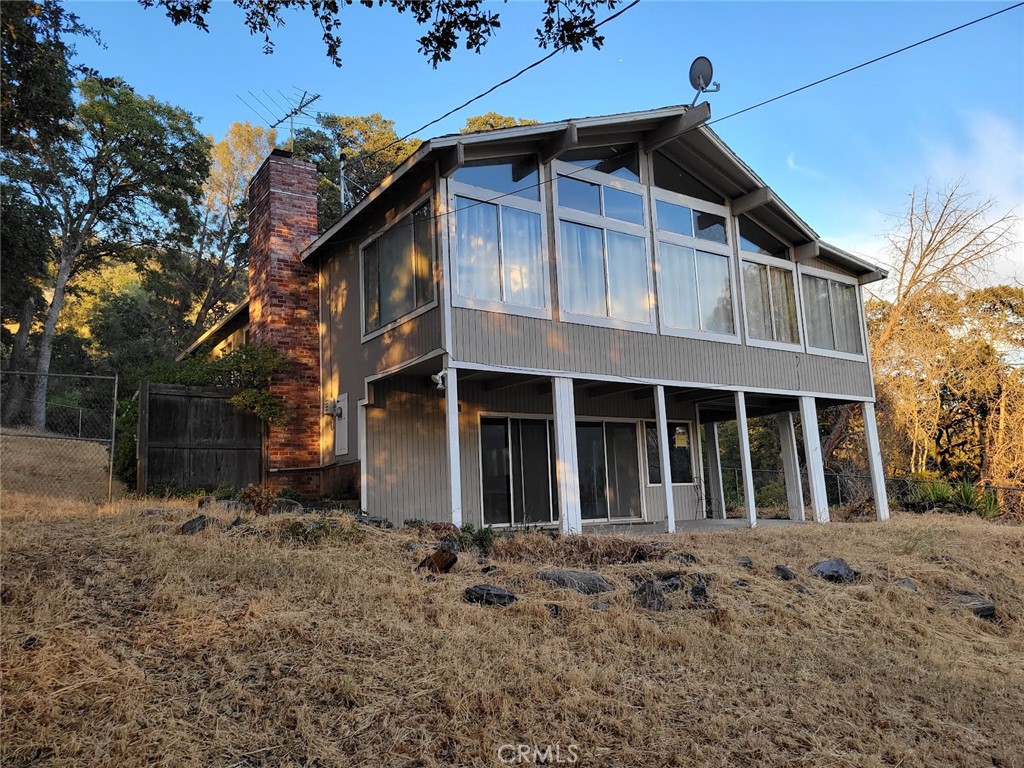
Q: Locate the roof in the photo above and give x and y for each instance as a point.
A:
(700, 150)
(231, 322)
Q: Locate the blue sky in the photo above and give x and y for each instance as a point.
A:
(843, 154)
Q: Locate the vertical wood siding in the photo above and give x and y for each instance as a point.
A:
(494, 338)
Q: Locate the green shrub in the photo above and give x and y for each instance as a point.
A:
(772, 494)
(965, 498)
(989, 508)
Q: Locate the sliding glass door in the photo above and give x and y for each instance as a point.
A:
(609, 466)
(517, 463)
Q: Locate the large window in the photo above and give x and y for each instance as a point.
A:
(398, 270)
(768, 285)
(499, 254)
(695, 285)
(609, 470)
(604, 270)
(517, 463)
(831, 315)
(679, 455)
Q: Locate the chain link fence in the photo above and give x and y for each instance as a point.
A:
(57, 434)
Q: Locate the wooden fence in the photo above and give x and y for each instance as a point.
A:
(192, 438)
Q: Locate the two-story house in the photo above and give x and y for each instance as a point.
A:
(544, 325)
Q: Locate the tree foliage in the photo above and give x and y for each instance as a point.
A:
(372, 150)
(450, 23)
(492, 121)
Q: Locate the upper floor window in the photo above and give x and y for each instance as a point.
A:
(832, 315)
(768, 285)
(499, 245)
(398, 269)
(670, 176)
(604, 270)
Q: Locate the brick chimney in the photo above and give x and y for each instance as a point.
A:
(284, 312)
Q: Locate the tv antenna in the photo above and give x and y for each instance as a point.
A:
(298, 109)
(701, 73)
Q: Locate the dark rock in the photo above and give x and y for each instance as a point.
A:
(744, 562)
(430, 577)
(29, 643)
(650, 597)
(587, 582)
(908, 584)
(450, 543)
(683, 557)
(374, 522)
(236, 522)
(803, 590)
(740, 584)
(699, 589)
(785, 573)
(152, 513)
(554, 609)
(791, 607)
(601, 605)
(206, 501)
(284, 506)
(980, 606)
(836, 570)
(438, 561)
(487, 594)
(200, 523)
(489, 569)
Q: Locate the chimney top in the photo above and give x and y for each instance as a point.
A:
(278, 152)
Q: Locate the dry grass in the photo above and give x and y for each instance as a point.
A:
(47, 466)
(126, 644)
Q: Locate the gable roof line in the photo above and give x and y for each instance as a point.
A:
(235, 312)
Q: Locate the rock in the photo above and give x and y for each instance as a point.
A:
(487, 594)
(649, 596)
(236, 522)
(439, 561)
(283, 506)
(803, 590)
(233, 505)
(601, 605)
(669, 582)
(744, 562)
(481, 560)
(410, 546)
(908, 584)
(450, 543)
(699, 589)
(29, 643)
(683, 557)
(206, 501)
(980, 605)
(836, 570)
(554, 609)
(785, 573)
(200, 523)
(739, 584)
(489, 569)
(152, 513)
(586, 582)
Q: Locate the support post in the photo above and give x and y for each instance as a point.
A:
(715, 483)
(364, 469)
(875, 461)
(566, 457)
(790, 465)
(661, 422)
(743, 434)
(451, 419)
(815, 464)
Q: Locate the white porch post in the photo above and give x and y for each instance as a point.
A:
(790, 465)
(875, 461)
(364, 469)
(745, 466)
(815, 464)
(566, 458)
(666, 464)
(715, 484)
(451, 420)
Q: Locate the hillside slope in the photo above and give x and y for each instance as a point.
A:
(126, 643)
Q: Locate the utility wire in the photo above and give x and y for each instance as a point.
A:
(621, 155)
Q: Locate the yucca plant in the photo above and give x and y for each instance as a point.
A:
(988, 508)
(966, 498)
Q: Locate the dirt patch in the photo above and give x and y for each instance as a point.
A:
(53, 467)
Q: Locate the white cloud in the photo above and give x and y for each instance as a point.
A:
(792, 164)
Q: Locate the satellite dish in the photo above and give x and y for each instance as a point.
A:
(701, 73)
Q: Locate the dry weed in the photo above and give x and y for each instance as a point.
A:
(127, 644)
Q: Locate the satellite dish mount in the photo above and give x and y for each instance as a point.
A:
(701, 73)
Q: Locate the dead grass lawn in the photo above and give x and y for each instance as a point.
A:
(125, 644)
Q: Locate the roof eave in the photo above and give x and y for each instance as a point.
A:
(234, 313)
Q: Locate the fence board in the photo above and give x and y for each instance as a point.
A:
(192, 438)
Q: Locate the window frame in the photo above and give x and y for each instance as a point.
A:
(861, 322)
(604, 223)
(778, 263)
(638, 425)
(697, 244)
(693, 463)
(427, 197)
(493, 197)
(552, 448)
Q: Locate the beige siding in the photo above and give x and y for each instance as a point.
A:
(230, 343)
(527, 399)
(407, 460)
(500, 339)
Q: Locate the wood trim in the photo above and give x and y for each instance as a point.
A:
(813, 457)
(674, 127)
(565, 140)
(752, 200)
(790, 465)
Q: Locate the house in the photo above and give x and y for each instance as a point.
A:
(544, 325)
